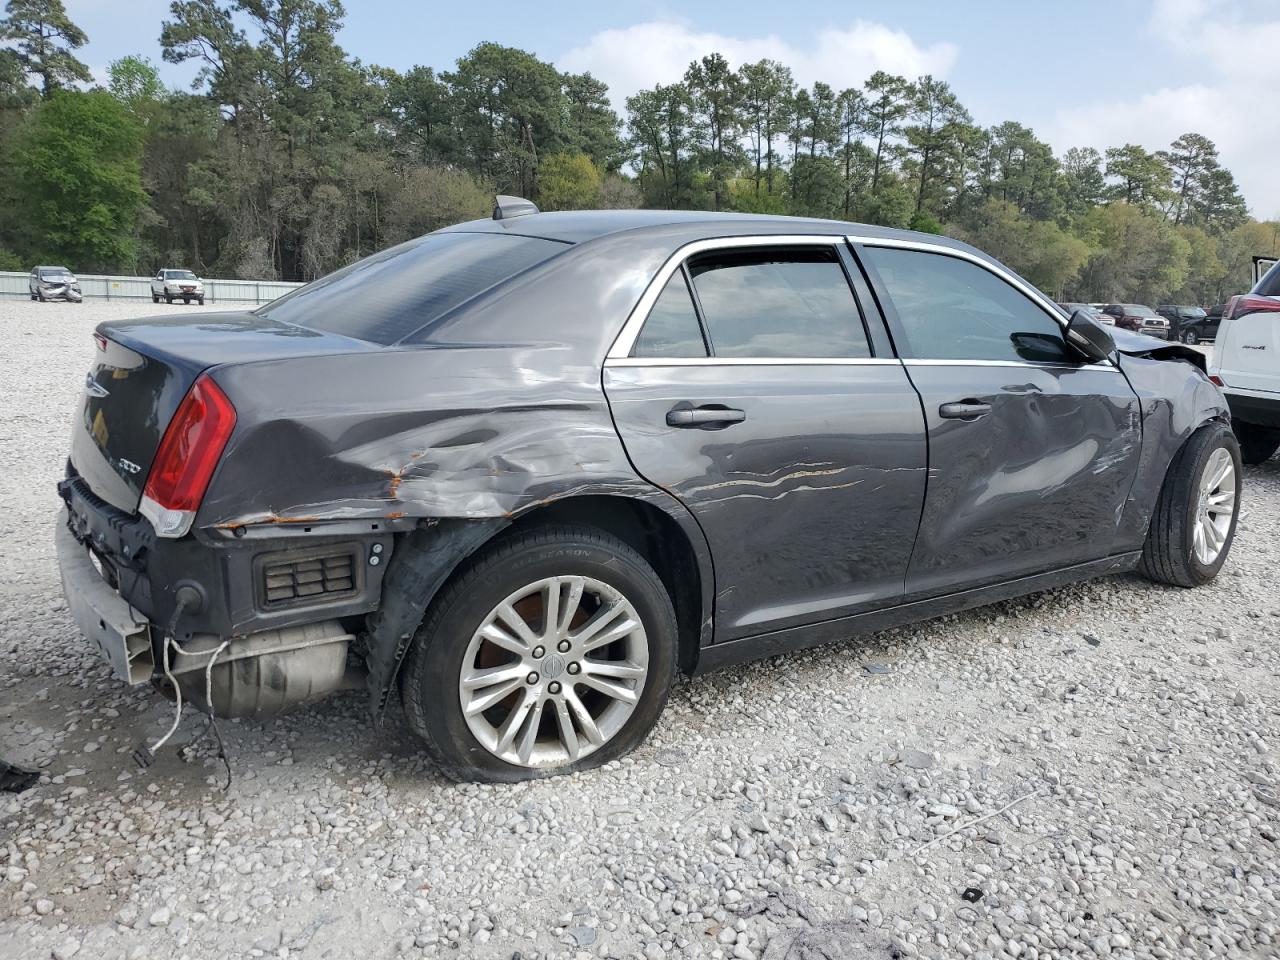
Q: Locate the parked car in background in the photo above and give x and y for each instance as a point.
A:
(1093, 309)
(54, 283)
(1138, 318)
(1178, 316)
(1246, 365)
(174, 285)
(1205, 329)
(527, 468)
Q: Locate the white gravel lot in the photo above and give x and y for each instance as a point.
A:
(781, 809)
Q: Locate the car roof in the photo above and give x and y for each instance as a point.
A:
(50, 266)
(581, 226)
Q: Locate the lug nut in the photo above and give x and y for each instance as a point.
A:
(563, 646)
(533, 677)
(574, 668)
(553, 687)
(539, 652)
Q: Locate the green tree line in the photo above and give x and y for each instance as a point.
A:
(289, 158)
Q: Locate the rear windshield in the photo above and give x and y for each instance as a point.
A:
(1269, 285)
(389, 295)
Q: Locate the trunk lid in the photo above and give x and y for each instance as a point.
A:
(141, 371)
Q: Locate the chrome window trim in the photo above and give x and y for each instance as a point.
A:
(626, 338)
(1045, 364)
(752, 361)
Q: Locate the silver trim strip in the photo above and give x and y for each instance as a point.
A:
(1050, 365)
(626, 338)
(751, 362)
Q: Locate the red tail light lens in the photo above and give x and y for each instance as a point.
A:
(1217, 380)
(187, 457)
(1239, 306)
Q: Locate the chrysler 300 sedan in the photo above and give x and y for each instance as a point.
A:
(521, 471)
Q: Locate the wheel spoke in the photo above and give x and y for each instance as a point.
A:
(1198, 541)
(568, 734)
(583, 716)
(609, 688)
(483, 701)
(1224, 500)
(511, 726)
(599, 621)
(507, 615)
(623, 670)
(550, 610)
(524, 750)
(500, 638)
(571, 604)
(478, 679)
(1222, 467)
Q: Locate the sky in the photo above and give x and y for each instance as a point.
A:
(1084, 73)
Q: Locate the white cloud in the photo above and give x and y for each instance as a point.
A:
(638, 57)
(1232, 103)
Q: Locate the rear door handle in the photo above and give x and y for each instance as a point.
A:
(964, 410)
(704, 416)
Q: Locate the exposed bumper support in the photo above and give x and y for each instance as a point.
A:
(121, 633)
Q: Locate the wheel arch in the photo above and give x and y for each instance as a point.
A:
(656, 525)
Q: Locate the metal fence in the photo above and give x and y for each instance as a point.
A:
(139, 288)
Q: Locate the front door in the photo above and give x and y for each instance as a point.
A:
(1031, 453)
(753, 395)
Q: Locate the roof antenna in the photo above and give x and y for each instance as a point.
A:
(504, 207)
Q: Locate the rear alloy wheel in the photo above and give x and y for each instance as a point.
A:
(553, 652)
(1194, 522)
(1190, 338)
(1257, 444)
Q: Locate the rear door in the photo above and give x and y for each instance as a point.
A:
(749, 385)
(1031, 454)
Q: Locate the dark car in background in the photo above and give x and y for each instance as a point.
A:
(1203, 328)
(527, 468)
(1179, 315)
(54, 283)
(1138, 318)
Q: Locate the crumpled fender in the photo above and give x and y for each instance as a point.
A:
(1177, 398)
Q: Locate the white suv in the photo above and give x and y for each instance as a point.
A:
(1246, 365)
(177, 285)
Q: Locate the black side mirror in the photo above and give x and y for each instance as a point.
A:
(1088, 338)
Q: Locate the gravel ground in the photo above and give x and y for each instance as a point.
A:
(1096, 766)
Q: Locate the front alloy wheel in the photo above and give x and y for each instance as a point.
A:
(552, 651)
(1194, 522)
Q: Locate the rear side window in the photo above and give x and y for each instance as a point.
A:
(671, 329)
(778, 303)
(389, 295)
(951, 309)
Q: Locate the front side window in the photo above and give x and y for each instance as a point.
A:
(781, 303)
(672, 329)
(951, 309)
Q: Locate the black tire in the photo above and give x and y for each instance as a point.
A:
(1168, 556)
(1257, 444)
(34, 297)
(168, 299)
(187, 301)
(200, 301)
(1190, 338)
(429, 684)
(155, 298)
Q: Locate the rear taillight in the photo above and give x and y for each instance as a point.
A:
(100, 340)
(187, 457)
(1249, 303)
(1217, 380)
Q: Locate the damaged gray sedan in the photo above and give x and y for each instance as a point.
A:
(523, 470)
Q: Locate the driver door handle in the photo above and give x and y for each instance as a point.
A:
(964, 410)
(703, 416)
